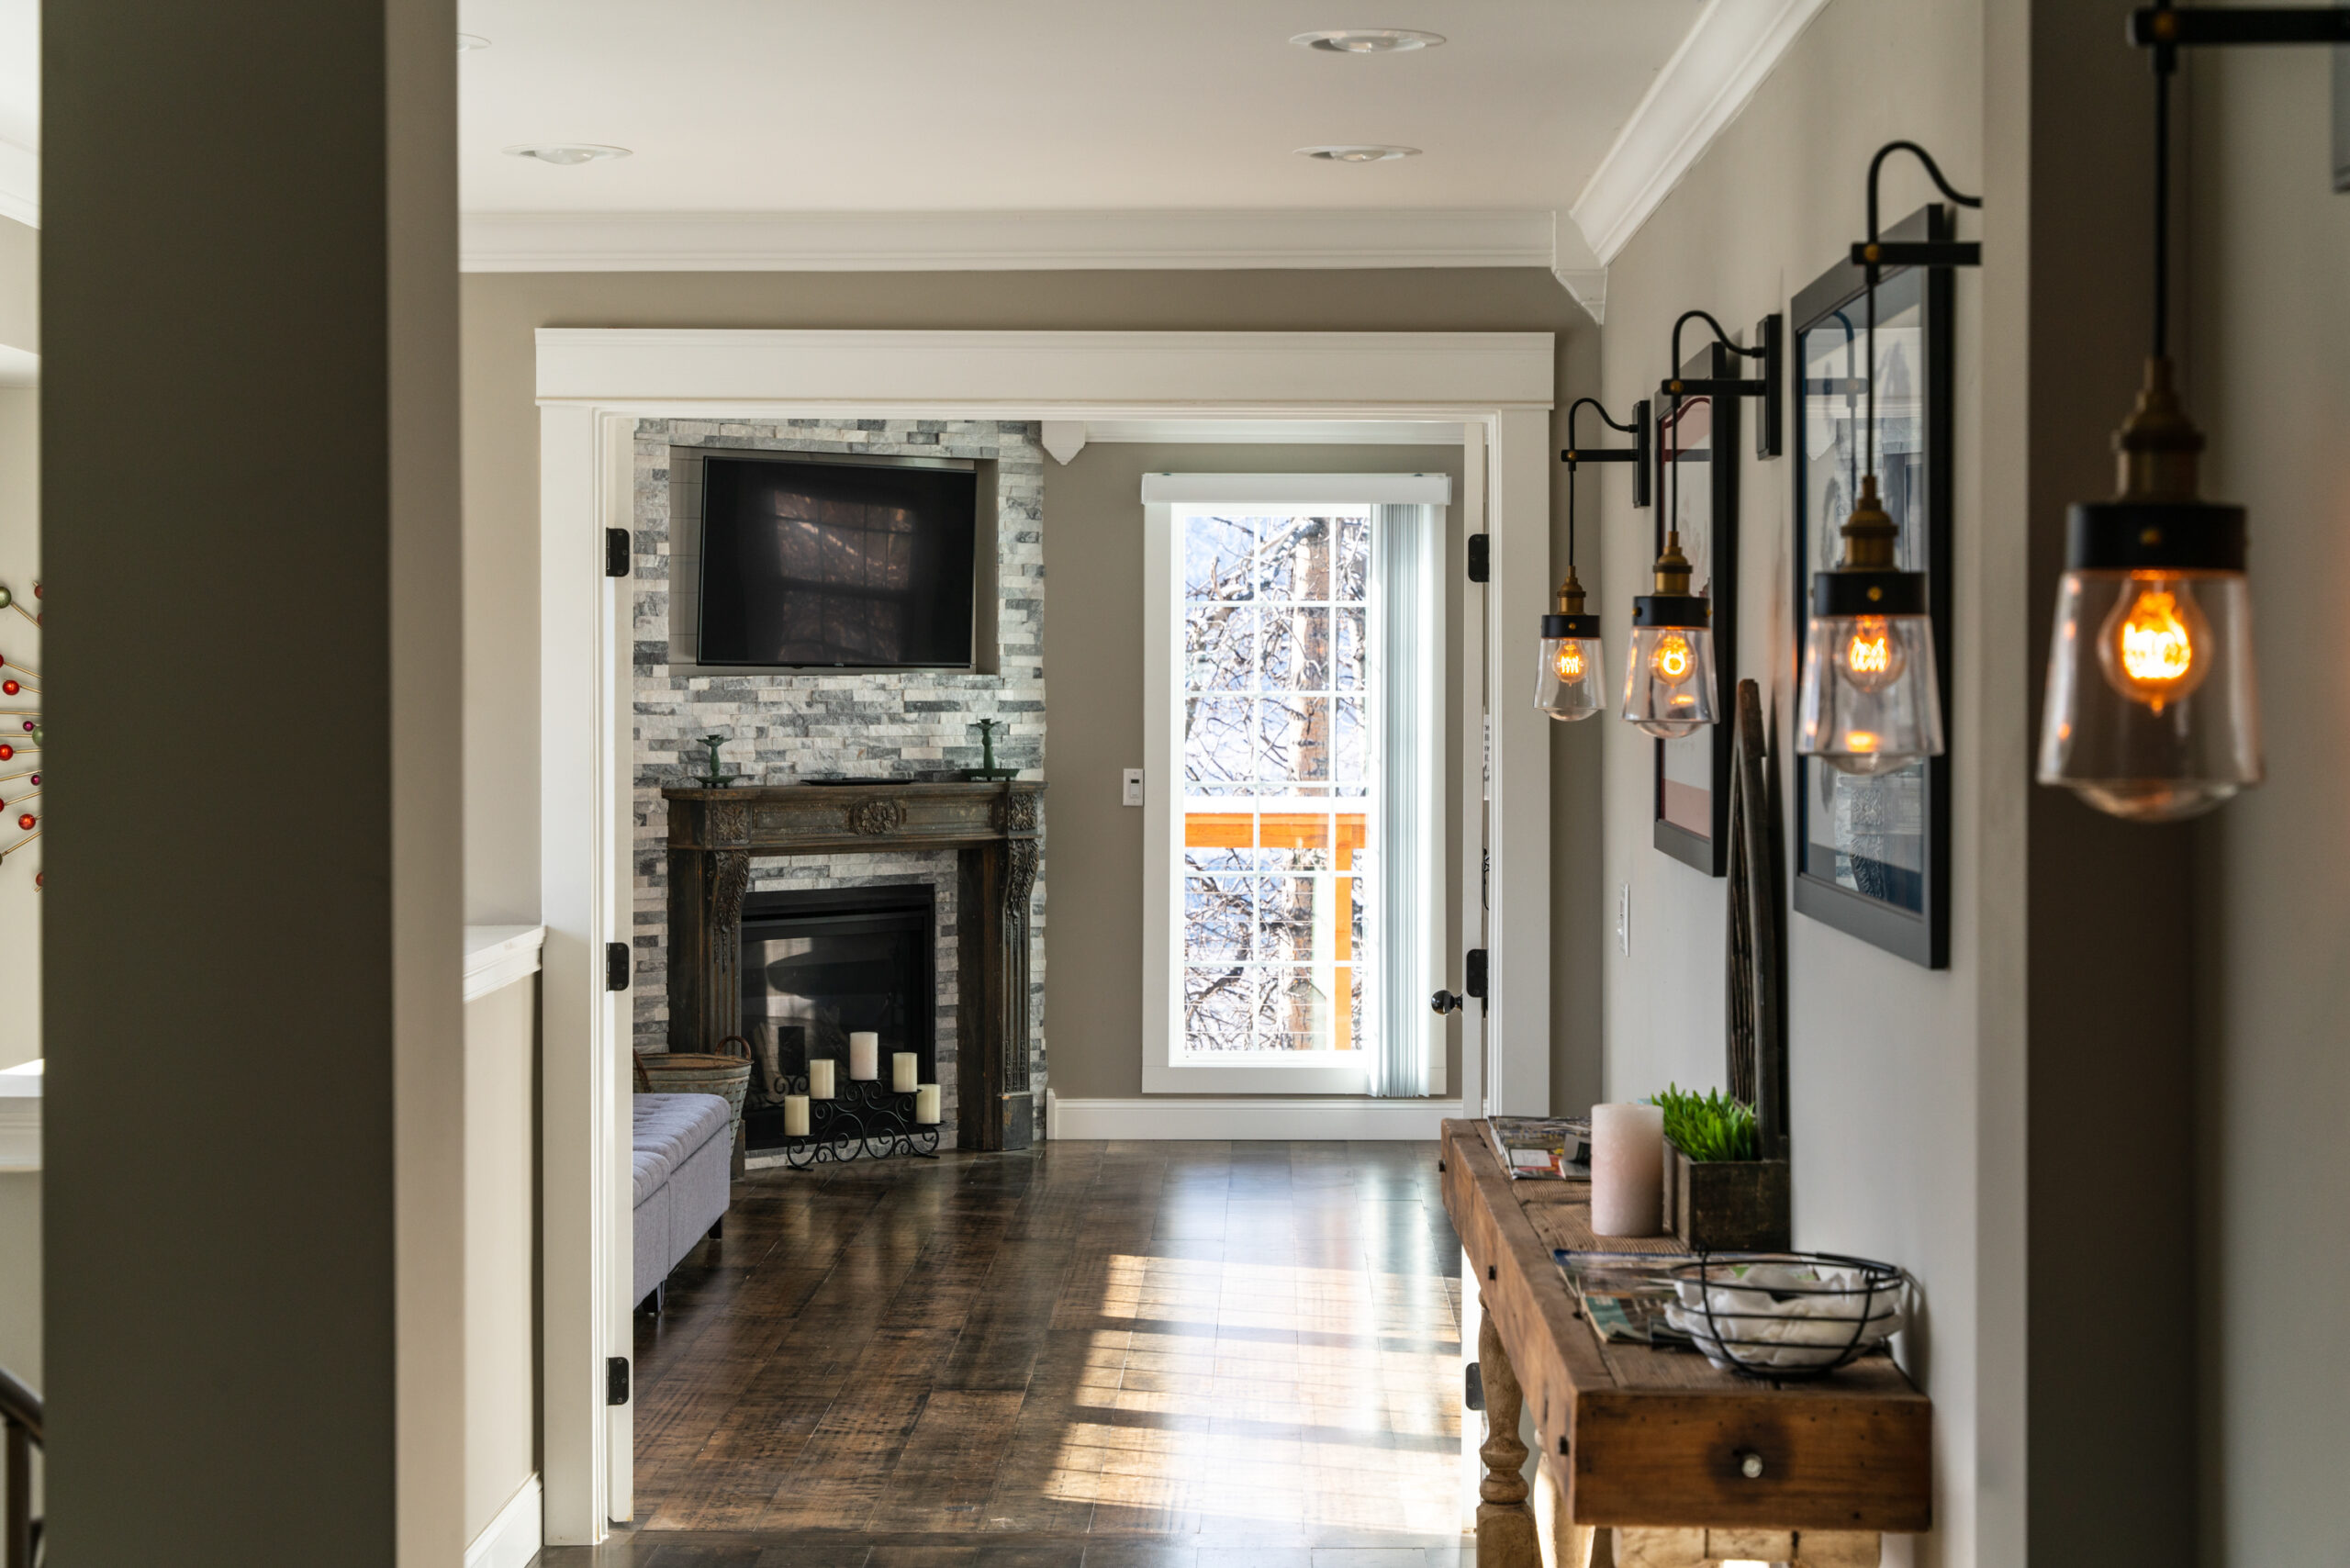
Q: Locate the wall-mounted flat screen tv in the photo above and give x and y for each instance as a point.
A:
(846, 565)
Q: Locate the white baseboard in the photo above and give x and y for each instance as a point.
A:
(510, 1540)
(1167, 1117)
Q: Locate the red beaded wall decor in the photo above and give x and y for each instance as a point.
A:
(22, 680)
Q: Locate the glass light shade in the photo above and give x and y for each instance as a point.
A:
(1669, 681)
(1570, 683)
(1870, 700)
(2152, 712)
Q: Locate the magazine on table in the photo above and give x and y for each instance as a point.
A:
(1624, 1294)
(1552, 1149)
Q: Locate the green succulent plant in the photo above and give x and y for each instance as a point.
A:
(1708, 1128)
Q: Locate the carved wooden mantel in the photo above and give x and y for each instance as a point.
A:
(997, 829)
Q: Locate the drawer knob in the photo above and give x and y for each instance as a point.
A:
(1750, 1464)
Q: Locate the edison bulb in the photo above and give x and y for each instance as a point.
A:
(1871, 658)
(1567, 684)
(2153, 645)
(1674, 661)
(1569, 664)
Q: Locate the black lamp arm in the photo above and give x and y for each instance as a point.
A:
(1637, 453)
(1769, 385)
(1876, 253)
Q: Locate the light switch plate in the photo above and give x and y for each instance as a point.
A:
(1133, 786)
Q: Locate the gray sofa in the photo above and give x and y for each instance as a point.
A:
(685, 1152)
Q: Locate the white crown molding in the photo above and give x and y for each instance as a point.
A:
(998, 242)
(1730, 49)
(1160, 1116)
(19, 184)
(1045, 376)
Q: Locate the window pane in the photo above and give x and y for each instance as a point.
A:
(1348, 657)
(1220, 648)
(1217, 919)
(1354, 560)
(1217, 1005)
(1285, 917)
(1216, 553)
(1304, 637)
(1352, 744)
(1217, 739)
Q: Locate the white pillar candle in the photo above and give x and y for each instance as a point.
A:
(1627, 1170)
(926, 1104)
(795, 1115)
(904, 1068)
(820, 1078)
(865, 1054)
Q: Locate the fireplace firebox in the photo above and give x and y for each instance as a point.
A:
(820, 964)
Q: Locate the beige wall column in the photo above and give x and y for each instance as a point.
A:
(254, 1226)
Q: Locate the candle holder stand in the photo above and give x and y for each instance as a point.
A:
(865, 1120)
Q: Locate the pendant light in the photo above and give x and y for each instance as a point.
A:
(1570, 678)
(1871, 696)
(1669, 679)
(2151, 712)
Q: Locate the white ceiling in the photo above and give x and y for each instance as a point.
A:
(749, 106)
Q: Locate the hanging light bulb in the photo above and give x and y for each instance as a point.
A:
(1669, 680)
(2160, 720)
(1569, 684)
(1871, 701)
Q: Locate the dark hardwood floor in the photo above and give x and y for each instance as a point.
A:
(1134, 1355)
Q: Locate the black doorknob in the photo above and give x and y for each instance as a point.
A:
(1444, 1002)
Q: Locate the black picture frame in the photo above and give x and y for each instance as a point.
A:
(1898, 897)
(1712, 550)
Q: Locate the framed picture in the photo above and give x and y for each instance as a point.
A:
(1873, 855)
(1701, 493)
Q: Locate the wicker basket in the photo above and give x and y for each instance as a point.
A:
(726, 1075)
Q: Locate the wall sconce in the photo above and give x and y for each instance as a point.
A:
(1569, 681)
(1871, 696)
(1669, 679)
(2152, 714)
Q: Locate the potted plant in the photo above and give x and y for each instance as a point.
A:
(1720, 1193)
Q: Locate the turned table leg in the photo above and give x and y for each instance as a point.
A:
(1505, 1533)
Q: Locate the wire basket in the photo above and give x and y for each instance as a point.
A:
(1788, 1316)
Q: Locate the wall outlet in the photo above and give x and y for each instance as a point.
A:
(1131, 782)
(1624, 918)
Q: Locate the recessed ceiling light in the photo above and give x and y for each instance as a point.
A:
(1369, 40)
(468, 42)
(566, 152)
(1358, 154)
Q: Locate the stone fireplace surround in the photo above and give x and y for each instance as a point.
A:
(784, 727)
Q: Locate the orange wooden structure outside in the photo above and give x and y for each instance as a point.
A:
(1297, 830)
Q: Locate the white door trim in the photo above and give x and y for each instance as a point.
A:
(594, 383)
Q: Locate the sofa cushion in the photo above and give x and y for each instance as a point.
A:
(669, 1130)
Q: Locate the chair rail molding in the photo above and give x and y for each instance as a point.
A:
(1003, 241)
(1731, 47)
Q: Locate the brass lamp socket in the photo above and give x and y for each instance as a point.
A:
(2158, 523)
(1570, 621)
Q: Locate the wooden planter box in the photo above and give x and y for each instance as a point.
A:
(1727, 1206)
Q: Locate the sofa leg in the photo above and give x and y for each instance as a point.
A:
(718, 1227)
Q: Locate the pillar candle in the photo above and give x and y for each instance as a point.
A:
(926, 1104)
(865, 1054)
(820, 1078)
(795, 1115)
(904, 1067)
(1627, 1170)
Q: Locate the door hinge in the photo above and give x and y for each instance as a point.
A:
(616, 964)
(1481, 558)
(1473, 983)
(616, 1380)
(617, 549)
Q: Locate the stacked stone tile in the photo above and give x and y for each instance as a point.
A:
(872, 724)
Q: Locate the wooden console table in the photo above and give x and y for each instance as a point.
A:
(997, 829)
(1692, 1465)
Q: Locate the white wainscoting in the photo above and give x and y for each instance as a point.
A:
(1148, 1117)
(511, 1538)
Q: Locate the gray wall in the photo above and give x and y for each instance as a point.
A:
(501, 593)
(253, 1219)
(2270, 342)
(1094, 645)
(1891, 1065)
